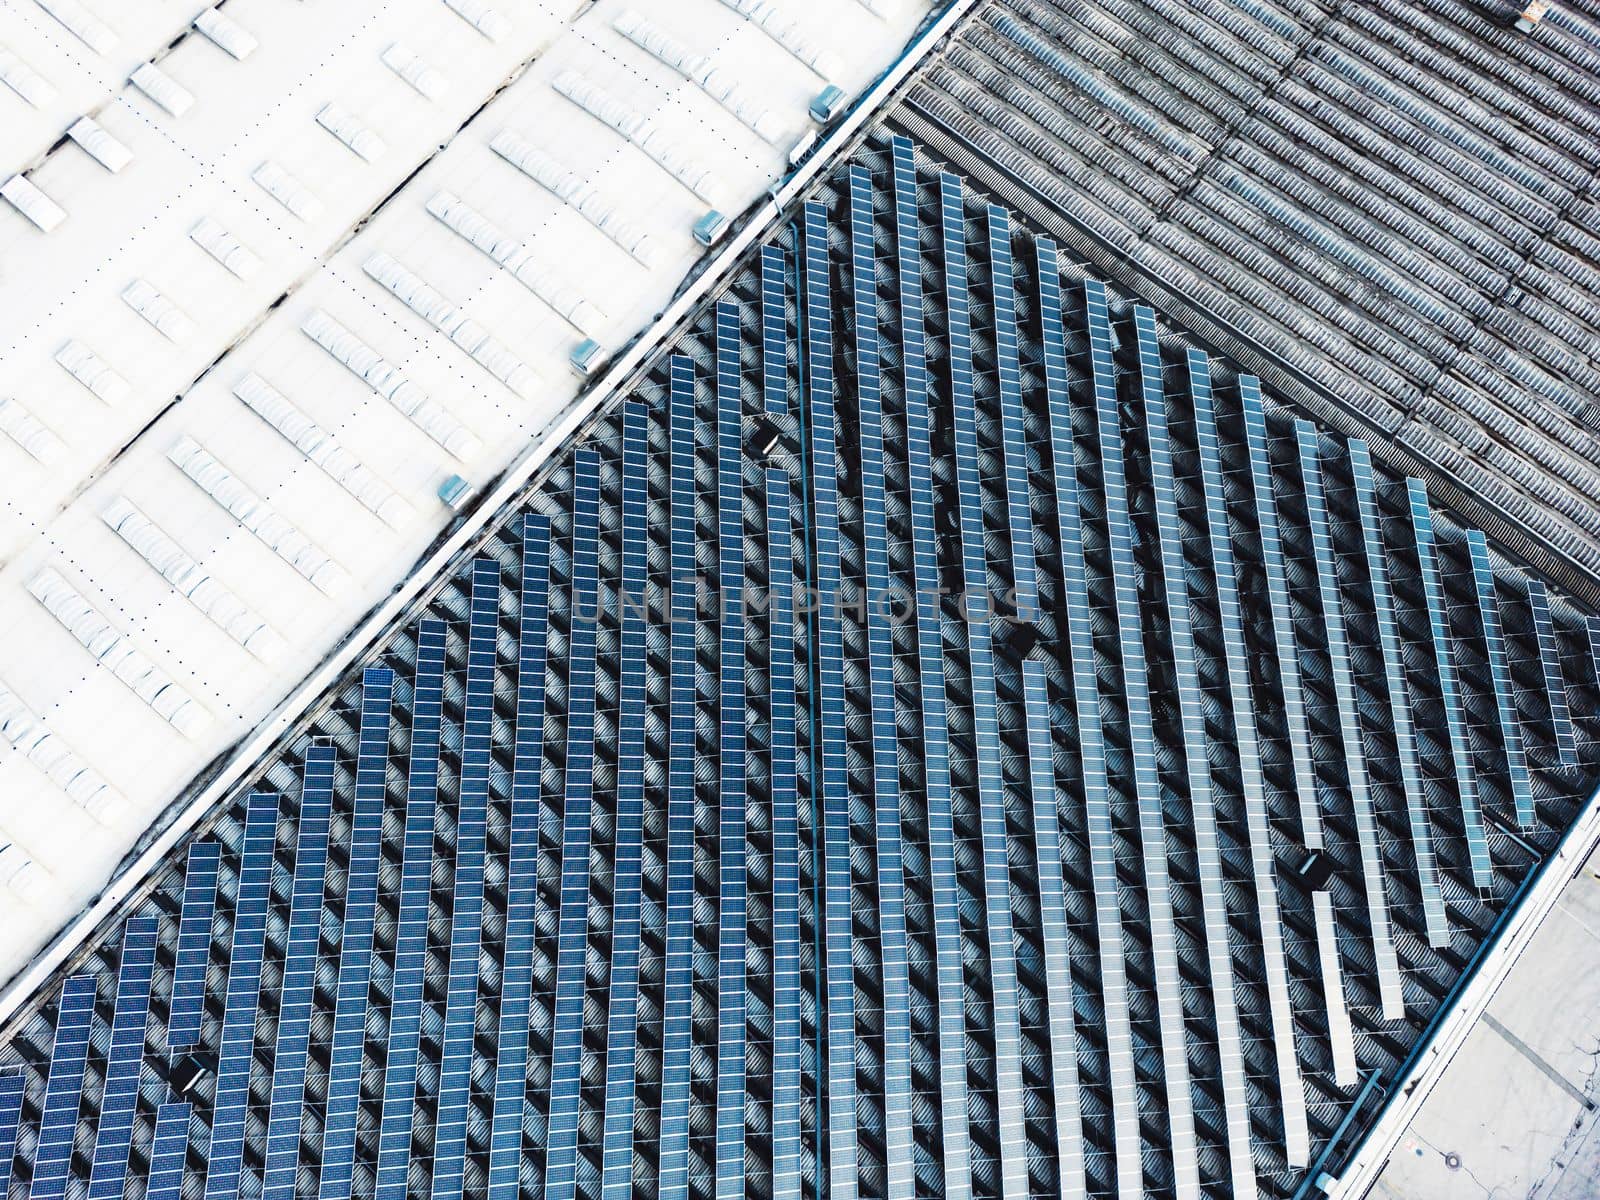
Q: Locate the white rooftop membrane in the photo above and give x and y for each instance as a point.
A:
(287, 255)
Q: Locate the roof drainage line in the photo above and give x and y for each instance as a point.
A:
(514, 486)
(1224, 339)
(1423, 1069)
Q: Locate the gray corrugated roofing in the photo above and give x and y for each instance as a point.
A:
(1388, 210)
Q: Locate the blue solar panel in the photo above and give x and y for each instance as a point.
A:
(12, 1088)
(522, 872)
(1405, 738)
(298, 986)
(1554, 682)
(774, 332)
(1049, 814)
(1019, 508)
(168, 1150)
(1091, 741)
(986, 728)
(1449, 692)
(1256, 434)
(786, 1026)
(835, 790)
(732, 922)
(1292, 1102)
(1202, 800)
(1594, 647)
(885, 743)
(622, 1022)
(411, 929)
(120, 1095)
(677, 1009)
(1147, 782)
(1092, 748)
(236, 1051)
(1500, 673)
(355, 940)
(955, 1134)
(58, 1119)
(573, 935)
(1325, 560)
(193, 954)
(466, 913)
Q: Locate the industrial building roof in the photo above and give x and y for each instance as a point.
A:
(939, 725)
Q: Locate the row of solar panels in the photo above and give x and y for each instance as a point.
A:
(1007, 908)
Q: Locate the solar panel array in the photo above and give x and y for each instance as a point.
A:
(937, 734)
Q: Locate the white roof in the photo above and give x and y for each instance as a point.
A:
(238, 368)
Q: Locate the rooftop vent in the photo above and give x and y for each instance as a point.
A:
(829, 104)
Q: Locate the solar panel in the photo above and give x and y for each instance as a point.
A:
(884, 741)
(355, 938)
(168, 1150)
(1494, 643)
(1048, 818)
(986, 728)
(1405, 738)
(193, 953)
(58, 1117)
(12, 1088)
(1594, 646)
(236, 1050)
(1326, 563)
(1294, 705)
(120, 1094)
(1445, 672)
(955, 1137)
(1019, 510)
(1202, 801)
(1297, 1135)
(411, 927)
(732, 919)
(572, 938)
(522, 870)
(678, 993)
(1341, 1039)
(622, 1017)
(1147, 782)
(774, 332)
(297, 988)
(466, 912)
(841, 988)
(787, 1096)
(1091, 736)
(1555, 684)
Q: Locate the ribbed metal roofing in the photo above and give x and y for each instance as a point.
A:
(1386, 210)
